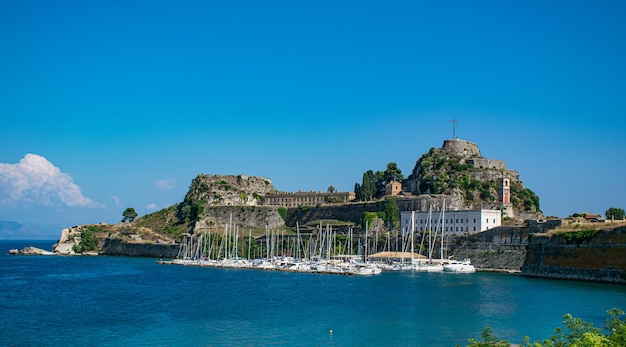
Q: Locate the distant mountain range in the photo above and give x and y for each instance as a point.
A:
(14, 231)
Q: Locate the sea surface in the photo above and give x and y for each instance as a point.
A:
(121, 301)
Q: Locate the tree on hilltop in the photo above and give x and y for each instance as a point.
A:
(393, 173)
(373, 184)
(357, 192)
(129, 215)
(368, 187)
(614, 213)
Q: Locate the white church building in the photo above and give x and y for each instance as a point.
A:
(454, 222)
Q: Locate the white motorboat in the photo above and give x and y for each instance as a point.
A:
(464, 266)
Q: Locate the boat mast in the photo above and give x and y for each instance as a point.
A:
(412, 229)
(443, 212)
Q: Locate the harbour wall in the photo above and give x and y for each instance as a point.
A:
(598, 258)
(501, 248)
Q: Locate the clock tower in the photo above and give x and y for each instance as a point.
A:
(504, 190)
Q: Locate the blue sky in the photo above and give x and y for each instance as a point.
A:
(123, 103)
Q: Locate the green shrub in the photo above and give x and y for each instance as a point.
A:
(88, 241)
(282, 212)
(580, 236)
(577, 333)
(367, 219)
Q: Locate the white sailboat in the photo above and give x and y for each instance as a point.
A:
(431, 266)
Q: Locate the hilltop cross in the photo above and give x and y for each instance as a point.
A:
(454, 121)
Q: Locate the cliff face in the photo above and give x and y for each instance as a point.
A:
(584, 255)
(214, 218)
(220, 190)
(112, 234)
(213, 200)
(150, 250)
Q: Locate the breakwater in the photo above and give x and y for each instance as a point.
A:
(587, 255)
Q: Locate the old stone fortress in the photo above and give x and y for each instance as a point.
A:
(424, 211)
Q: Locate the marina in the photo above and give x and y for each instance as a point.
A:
(322, 253)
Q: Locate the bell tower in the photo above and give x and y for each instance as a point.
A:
(504, 190)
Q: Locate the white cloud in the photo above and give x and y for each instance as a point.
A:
(164, 184)
(35, 180)
(117, 201)
(151, 206)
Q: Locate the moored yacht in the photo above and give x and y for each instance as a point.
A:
(459, 266)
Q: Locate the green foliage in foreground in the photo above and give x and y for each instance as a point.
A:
(577, 333)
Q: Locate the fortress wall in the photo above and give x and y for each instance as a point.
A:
(462, 148)
(599, 259)
(502, 248)
(345, 212)
(487, 163)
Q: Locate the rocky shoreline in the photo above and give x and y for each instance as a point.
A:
(597, 255)
(30, 250)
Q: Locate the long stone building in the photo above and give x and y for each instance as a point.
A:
(295, 199)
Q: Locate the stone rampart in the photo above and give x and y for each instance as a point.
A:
(502, 248)
(461, 148)
(484, 163)
(346, 212)
(229, 190)
(600, 258)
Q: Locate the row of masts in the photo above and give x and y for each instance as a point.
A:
(233, 249)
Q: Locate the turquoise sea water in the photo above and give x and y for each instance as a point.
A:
(119, 301)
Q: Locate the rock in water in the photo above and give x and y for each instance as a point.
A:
(34, 251)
